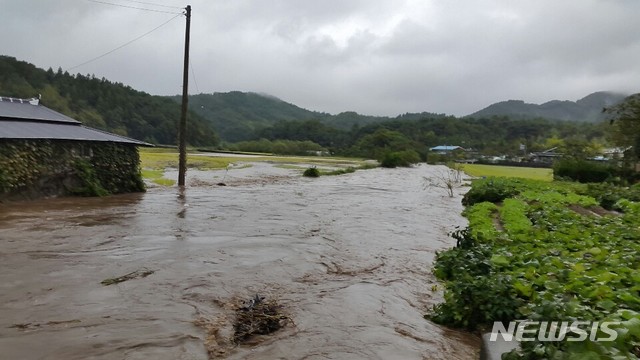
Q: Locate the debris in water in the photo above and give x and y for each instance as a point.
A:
(32, 326)
(252, 302)
(221, 184)
(258, 317)
(216, 342)
(142, 273)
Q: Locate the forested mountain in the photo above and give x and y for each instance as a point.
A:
(588, 109)
(102, 104)
(238, 116)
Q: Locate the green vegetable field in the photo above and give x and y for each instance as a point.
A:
(508, 171)
(547, 251)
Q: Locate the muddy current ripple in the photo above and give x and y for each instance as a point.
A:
(348, 256)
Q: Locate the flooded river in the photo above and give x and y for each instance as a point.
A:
(349, 257)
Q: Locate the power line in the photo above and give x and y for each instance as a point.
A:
(154, 4)
(195, 82)
(125, 44)
(133, 7)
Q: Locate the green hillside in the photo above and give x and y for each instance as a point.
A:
(102, 104)
(239, 116)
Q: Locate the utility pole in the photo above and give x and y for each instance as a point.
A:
(182, 127)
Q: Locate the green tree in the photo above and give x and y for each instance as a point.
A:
(381, 142)
(625, 125)
(102, 104)
(578, 147)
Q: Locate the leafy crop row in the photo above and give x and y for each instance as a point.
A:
(540, 251)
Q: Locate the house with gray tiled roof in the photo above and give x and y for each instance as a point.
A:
(46, 153)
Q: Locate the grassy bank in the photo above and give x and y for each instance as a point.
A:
(479, 170)
(156, 176)
(546, 251)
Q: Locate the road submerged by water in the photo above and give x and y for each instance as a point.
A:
(349, 257)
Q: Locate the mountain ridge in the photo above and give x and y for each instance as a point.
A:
(237, 115)
(587, 109)
(232, 116)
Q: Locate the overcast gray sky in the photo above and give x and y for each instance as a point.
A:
(376, 57)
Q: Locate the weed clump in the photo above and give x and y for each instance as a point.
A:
(311, 172)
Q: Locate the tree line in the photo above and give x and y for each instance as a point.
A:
(103, 104)
(275, 126)
(498, 135)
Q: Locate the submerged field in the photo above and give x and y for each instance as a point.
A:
(168, 158)
(159, 166)
(555, 251)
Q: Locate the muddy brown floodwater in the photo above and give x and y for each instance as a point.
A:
(349, 257)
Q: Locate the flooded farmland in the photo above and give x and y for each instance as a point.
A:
(348, 257)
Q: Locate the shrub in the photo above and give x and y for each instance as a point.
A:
(472, 302)
(474, 297)
(311, 172)
(492, 190)
(404, 158)
(608, 194)
(454, 263)
(582, 171)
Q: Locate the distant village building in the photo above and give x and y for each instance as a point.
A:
(445, 153)
(45, 153)
(615, 153)
(548, 156)
(446, 149)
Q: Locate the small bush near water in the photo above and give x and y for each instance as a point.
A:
(311, 172)
(492, 190)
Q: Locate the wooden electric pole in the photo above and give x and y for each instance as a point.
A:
(182, 127)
